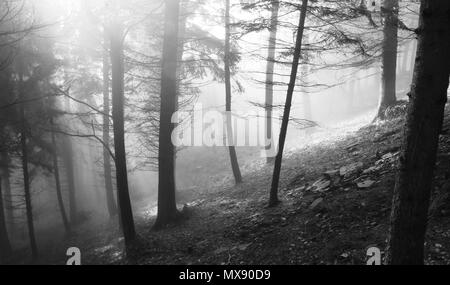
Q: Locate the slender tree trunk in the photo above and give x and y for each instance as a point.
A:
(26, 182)
(68, 163)
(389, 57)
(180, 53)
(112, 209)
(287, 107)
(7, 202)
(180, 50)
(231, 148)
(69, 167)
(418, 156)
(269, 73)
(26, 178)
(167, 209)
(58, 184)
(123, 195)
(5, 246)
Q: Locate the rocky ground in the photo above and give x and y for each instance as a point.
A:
(336, 200)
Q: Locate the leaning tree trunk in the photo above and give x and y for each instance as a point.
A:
(418, 156)
(123, 195)
(229, 121)
(269, 74)
(167, 209)
(58, 183)
(389, 57)
(111, 204)
(5, 246)
(287, 107)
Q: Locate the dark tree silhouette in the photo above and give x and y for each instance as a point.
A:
(5, 246)
(58, 181)
(111, 204)
(418, 155)
(26, 175)
(69, 167)
(269, 72)
(167, 209)
(231, 148)
(390, 10)
(7, 202)
(287, 107)
(123, 196)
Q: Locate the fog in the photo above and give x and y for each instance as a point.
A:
(337, 96)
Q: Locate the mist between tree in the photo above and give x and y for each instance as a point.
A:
(117, 115)
(208, 128)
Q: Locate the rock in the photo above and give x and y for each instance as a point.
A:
(366, 184)
(333, 176)
(299, 189)
(371, 169)
(387, 158)
(315, 203)
(331, 173)
(321, 185)
(350, 169)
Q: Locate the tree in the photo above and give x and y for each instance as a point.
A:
(58, 181)
(229, 122)
(7, 201)
(167, 209)
(5, 246)
(287, 107)
(111, 204)
(123, 195)
(69, 167)
(26, 175)
(428, 97)
(269, 72)
(390, 11)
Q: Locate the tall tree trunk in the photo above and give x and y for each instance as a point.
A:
(123, 195)
(58, 183)
(287, 107)
(111, 204)
(7, 202)
(26, 182)
(269, 73)
(167, 209)
(5, 246)
(180, 50)
(180, 53)
(233, 157)
(389, 57)
(68, 163)
(69, 167)
(418, 156)
(26, 177)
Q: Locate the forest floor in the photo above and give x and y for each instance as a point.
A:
(336, 200)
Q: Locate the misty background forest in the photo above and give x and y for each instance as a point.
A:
(225, 131)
